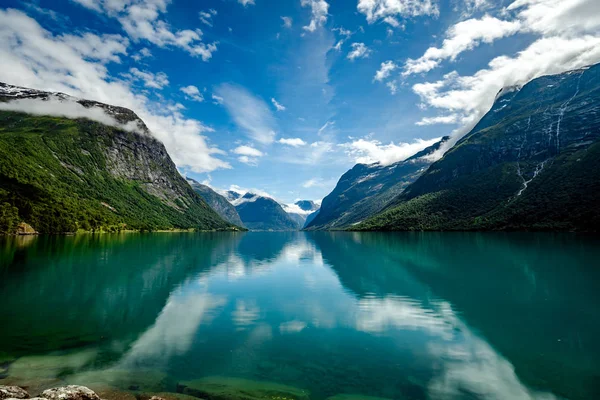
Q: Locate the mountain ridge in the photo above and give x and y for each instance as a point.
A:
(61, 174)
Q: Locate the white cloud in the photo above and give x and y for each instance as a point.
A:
(249, 112)
(369, 151)
(277, 105)
(461, 37)
(151, 80)
(143, 53)
(68, 108)
(287, 22)
(474, 95)
(380, 9)
(141, 20)
(393, 86)
(105, 48)
(33, 57)
(317, 182)
(551, 17)
(206, 16)
(217, 99)
(319, 10)
(193, 93)
(359, 50)
(248, 151)
(385, 71)
(248, 155)
(294, 142)
(246, 3)
(442, 119)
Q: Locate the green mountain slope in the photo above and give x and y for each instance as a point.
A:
(62, 175)
(532, 163)
(217, 202)
(367, 189)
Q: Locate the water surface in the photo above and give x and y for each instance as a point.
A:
(397, 316)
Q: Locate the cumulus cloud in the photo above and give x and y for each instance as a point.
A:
(34, 57)
(278, 106)
(151, 80)
(140, 55)
(105, 48)
(385, 71)
(319, 10)
(141, 19)
(248, 155)
(461, 37)
(193, 93)
(359, 50)
(206, 16)
(287, 22)
(294, 142)
(246, 3)
(249, 112)
(248, 151)
(381, 9)
(369, 151)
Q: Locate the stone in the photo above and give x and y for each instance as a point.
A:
(25, 229)
(13, 392)
(71, 392)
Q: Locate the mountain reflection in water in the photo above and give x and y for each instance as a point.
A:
(403, 316)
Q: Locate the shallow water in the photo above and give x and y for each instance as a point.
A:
(398, 316)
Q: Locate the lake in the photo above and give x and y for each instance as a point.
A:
(304, 315)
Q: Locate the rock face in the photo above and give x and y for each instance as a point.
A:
(71, 392)
(263, 214)
(13, 392)
(66, 174)
(367, 189)
(217, 202)
(531, 163)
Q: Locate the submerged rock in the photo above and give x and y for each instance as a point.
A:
(13, 392)
(225, 388)
(71, 392)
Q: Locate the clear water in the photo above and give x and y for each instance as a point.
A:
(398, 316)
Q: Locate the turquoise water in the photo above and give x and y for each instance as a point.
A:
(398, 316)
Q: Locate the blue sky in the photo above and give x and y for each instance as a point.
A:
(284, 96)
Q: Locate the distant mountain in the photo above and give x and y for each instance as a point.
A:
(61, 175)
(300, 210)
(263, 213)
(367, 189)
(217, 202)
(531, 163)
(232, 196)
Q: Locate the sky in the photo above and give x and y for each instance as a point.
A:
(281, 97)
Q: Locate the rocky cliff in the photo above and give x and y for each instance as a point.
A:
(105, 172)
(531, 163)
(367, 189)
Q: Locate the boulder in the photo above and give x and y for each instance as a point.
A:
(71, 392)
(25, 229)
(13, 392)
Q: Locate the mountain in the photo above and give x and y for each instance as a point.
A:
(367, 189)
(263, 214)
(300, 210)
(531, 163)
(61, 174)
(217, 202)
